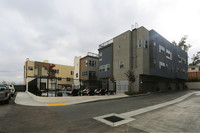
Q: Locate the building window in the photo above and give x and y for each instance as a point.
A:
(145, 44)
(84, 73)
(184, 60)
(76, 75)
(168, 54)
(108, 67)
(161, 49)
(161, 65)
(100, 56)
(72, 72)
(119, 46)
(154, 44)
(193, 68)
(68, 79)
(103, 68)
(139, 43)
(179, 59)
(172, 69)
(120, 64)
(166, 66)
(183, 70)
(100, 68)
(59, 78)
(30, 68)
(153, 63)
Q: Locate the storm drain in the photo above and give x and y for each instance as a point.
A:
(114, 119)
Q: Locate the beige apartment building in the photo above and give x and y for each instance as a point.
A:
(35, 69)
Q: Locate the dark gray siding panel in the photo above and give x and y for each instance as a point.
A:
(107, 58)
(155, 54)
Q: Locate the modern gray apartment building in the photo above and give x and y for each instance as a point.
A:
(158, 65)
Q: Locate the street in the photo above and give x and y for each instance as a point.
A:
(179, 117)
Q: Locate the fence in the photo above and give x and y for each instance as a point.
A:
(20, 88)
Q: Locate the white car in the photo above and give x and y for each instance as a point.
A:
(12, 89)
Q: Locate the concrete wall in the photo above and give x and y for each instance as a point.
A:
(193, 85)
(121, 52)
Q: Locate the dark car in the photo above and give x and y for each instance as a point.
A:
(5, 94)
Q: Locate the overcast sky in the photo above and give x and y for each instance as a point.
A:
(59, 30)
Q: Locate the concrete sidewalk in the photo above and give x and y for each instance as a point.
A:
(28, 99)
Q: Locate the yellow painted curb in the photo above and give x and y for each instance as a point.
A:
(56, 104)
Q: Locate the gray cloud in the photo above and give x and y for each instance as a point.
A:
(60, 30)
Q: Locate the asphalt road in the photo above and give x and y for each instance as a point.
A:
(79, 118)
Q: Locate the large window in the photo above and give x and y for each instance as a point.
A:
(84, 73)
(168, 54)
(120, 64)
(92, 63)
(179, 59)
(161, 49)
(104, 67)
(161, 65)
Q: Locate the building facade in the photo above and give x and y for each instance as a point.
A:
(34, 69)
(106, 65)
(89, 70)
(157, 64)
(194, 72)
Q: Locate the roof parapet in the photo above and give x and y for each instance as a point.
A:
(92, 54)
(106, 43)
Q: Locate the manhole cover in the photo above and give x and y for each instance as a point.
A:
(113, 119)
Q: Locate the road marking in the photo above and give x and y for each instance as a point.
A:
(56, 104)
(130, 114)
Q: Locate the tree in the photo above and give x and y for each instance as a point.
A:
(4, 82)
(12, 83)
(131, 78)
(51, 75)
(195, 59)
(173, 42)
(182, 44)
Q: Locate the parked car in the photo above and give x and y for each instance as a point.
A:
(12, 89)
(5, 94)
